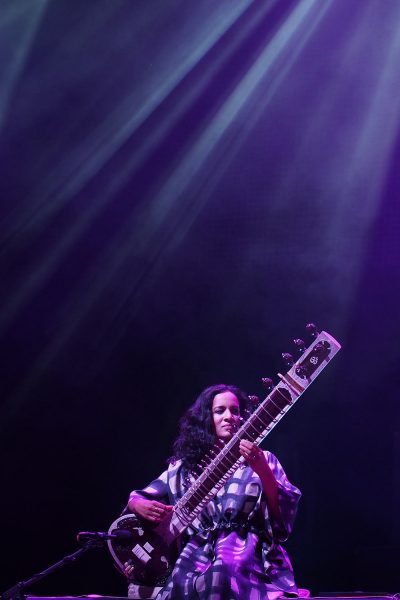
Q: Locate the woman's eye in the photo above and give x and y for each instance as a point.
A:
(220, 411)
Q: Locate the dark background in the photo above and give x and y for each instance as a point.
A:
(184, 185)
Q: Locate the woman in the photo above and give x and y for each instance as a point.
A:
(232, 550)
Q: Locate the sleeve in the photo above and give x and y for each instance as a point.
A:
(288, 497)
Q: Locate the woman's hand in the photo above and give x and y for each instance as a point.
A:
(128, 568)
(257, 461)
(149, 509)
(254, 456)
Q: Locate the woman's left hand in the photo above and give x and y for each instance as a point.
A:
(258, 462)
(253, 454)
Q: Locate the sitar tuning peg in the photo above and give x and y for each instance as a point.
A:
(211, 453)
(300, 345)
(288, 359)
(312, 330)
(254, 399)
(268, 384)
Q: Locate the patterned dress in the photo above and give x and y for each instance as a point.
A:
(232, 550)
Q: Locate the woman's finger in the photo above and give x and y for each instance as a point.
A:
(160, 505)
(128, 568)
(246, 445)
(250, 451)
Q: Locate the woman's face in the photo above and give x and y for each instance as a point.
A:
(226, 415)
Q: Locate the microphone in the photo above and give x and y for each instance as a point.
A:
(121, 535)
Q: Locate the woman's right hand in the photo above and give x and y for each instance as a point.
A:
(149, 509)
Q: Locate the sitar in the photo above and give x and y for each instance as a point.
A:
(151, 549)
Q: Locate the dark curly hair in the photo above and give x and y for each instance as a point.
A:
(196, 434)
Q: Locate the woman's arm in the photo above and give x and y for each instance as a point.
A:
(257, 461)
(152, 502)
(148, 509)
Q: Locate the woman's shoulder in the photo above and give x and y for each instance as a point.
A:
(174, 461)
(174, 465)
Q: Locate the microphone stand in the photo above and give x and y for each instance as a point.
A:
(17, 591)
